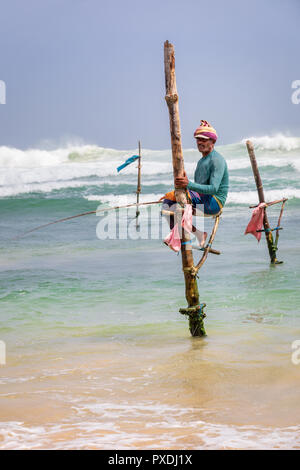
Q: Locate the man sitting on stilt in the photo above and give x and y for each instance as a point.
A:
(210, 189)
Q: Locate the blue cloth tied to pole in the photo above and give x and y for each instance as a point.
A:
(128, 162)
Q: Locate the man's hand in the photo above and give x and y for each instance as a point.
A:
(181, 182)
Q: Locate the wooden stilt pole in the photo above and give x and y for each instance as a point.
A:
(194, 310)
(138, 187)
(279, 222)
(269, 237)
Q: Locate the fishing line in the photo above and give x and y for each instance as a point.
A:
(85, 213)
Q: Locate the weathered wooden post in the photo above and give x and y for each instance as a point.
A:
(138, 187)
(272, 247)
(194, 310)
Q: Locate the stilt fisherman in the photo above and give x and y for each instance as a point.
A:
(209, 190)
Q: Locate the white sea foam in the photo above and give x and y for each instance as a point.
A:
(278, 141)
(99, 427)
(123, 199)
(251, 197)
(32, 158)
(14, 190)
(238, 197)
(278, 161)
(76, 170)
(45, 180)
(73, 166)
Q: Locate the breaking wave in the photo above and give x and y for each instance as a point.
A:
(277, 142)
(23, 172)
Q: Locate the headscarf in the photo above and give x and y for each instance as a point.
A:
(206, 130)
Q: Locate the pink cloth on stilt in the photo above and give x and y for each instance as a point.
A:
(256, 221)
(187, 218)
(173, 239)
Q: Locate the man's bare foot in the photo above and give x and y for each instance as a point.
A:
(201, 237)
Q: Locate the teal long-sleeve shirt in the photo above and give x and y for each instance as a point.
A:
(211, 177)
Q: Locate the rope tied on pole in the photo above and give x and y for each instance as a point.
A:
(191, 270)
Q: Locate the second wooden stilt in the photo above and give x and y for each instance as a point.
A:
(268, 233)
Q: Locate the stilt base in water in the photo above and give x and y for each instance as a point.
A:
(196, 317)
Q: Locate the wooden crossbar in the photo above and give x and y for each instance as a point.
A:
(210, 250)
(270, 229)
(284, 199)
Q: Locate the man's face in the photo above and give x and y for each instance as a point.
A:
(205, 145)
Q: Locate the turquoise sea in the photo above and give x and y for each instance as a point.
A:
(97, 354)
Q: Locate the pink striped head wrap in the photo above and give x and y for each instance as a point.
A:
(206, 130)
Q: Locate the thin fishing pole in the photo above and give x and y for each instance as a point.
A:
(85, 213)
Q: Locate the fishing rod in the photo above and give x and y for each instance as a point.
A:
(86, 213)
(137, 204)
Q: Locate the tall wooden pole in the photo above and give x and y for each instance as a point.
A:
(138, 187)
(269, 237)
(194, 310)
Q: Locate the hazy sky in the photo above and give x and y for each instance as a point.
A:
(93, 69)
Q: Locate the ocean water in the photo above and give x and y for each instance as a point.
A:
(97, 355)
